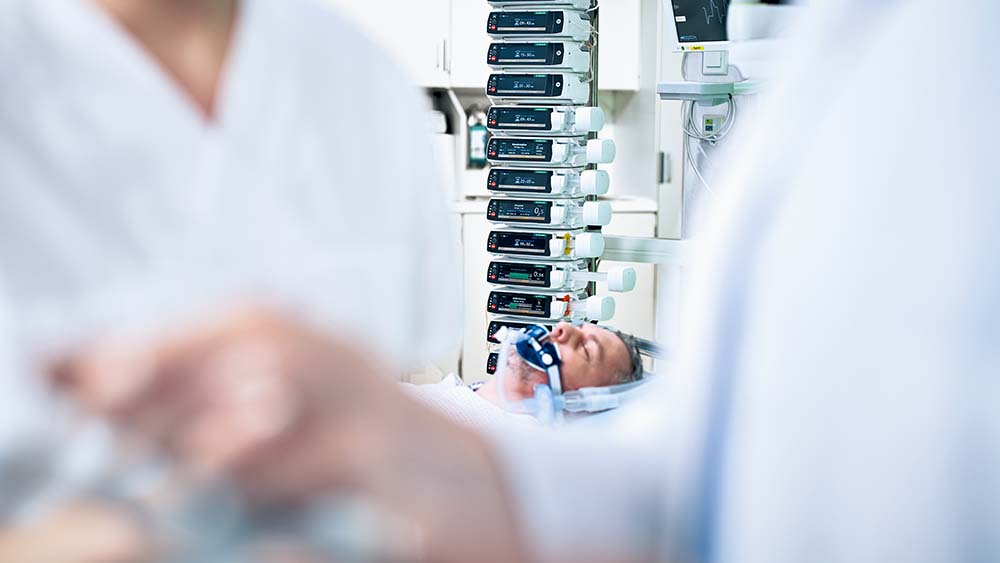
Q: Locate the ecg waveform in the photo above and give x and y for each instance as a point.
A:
(716, 12)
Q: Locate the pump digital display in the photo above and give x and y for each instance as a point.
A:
(525, 244)
(504, 303)
(529, 181)
(520, 150)
(525, 23)
(526, 85)
(513, 273)
(495, 326)
(539, 119)
(526, 54)
(492, 362)
(517, 211)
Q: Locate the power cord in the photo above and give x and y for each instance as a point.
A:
(694, 133)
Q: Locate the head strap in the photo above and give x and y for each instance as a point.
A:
(540, 353)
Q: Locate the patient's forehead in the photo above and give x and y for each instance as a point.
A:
(616, 360)
(618, 356)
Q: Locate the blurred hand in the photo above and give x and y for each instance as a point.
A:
(77, 533)
(227, 390)
(290, 413)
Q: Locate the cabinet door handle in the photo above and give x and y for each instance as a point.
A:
(444, 56)
(666, 172)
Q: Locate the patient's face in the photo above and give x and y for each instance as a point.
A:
(591, 356)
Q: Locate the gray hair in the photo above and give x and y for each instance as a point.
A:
(635, 370)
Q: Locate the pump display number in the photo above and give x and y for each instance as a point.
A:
(513, 273)
(527, 244)
(504, 303)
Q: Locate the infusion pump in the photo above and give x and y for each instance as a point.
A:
(541, 57)
(551, 306)
(518, 4)
(549, 213)
(557, 88)
(569, 153)
(550, 120)
(559, 276)
(520, 182)
(546, 245)
(547, 24)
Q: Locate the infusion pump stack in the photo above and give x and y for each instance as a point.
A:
(544, 155)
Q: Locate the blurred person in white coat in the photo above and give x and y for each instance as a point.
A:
(158, 158)
(837, 396)
(161, 158)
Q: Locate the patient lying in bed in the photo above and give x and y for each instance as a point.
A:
(591, 357)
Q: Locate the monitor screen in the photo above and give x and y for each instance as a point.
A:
(701, 21)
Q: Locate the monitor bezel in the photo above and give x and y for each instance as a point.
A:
(697, 46)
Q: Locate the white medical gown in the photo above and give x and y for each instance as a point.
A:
(839, 394)
(453, 398)
(313, 189)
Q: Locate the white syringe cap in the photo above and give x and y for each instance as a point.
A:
(589, 120)
(595, 182)
(597, 213)
(589, 245)
(601, 151)
(600, 308)
(622, 279)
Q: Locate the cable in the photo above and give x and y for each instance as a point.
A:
(688, 118)
(595, 8)
(692, 133)
(697, 171)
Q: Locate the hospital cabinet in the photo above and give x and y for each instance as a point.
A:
(634, 311)
(443, 43)
(415, 33)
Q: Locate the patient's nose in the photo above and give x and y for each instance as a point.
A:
(562, 332)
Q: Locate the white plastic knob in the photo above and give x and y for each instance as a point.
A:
(622, 279)
(557, 247)
(589, 120)
(601, 151)
(594, 182)
(589, 245)
(600, 308)
(558, 120)
(597, 213)
(558, 214)
(560, 152)
(558, 184)
(558, 279)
